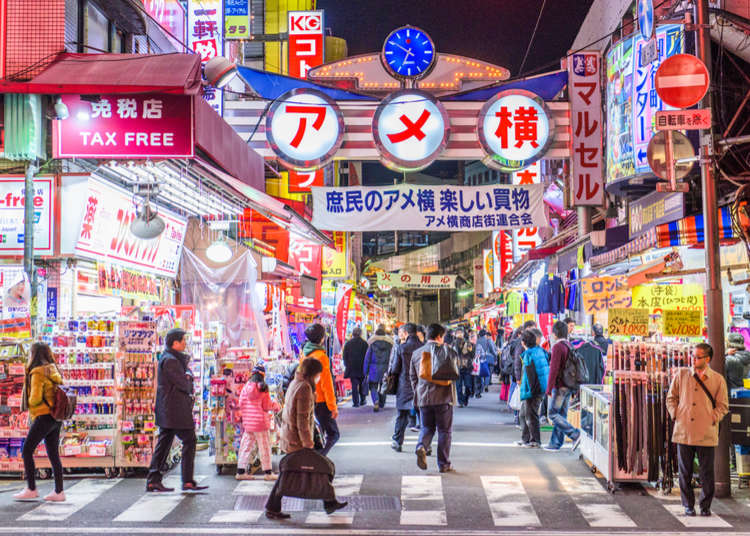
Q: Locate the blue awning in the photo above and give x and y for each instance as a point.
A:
(547, 86)
(271, 85)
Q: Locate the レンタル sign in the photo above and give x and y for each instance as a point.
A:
(415, 281)
(628, 321)
(682, 323)
(415, 207)
(587, 172)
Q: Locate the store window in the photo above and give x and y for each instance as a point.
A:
(96, 30)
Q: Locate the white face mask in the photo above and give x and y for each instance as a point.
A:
(317, 378)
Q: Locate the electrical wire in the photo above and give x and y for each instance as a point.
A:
(533, 34)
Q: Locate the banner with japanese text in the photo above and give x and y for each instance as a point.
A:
(415, 281)
(601, 293)
(335, 260)
(412, 207)
(657, 298)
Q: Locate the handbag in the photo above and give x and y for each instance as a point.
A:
(389, 384)
(484, 370)
(444, 366)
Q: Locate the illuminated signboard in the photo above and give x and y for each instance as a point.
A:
(411, 129)
(305, 128)
(306, 39)
(170, 15)
(205, 38)
(528, 238)
(515, 128)
(236, 19)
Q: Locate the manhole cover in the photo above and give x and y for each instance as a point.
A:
(357, 503)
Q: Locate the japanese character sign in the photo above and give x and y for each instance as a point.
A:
(527, 238)
(204, 31)
(306, 41)
(515, 128)
(237, 19)
(585, 92)
(602, 293)
(411, 129)
(305, 128)
(657, 298)
(429, 208)
(415, 281)
(305, 256)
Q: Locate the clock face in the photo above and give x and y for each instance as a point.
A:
(408, 52)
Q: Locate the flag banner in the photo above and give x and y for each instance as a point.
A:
(413, 207)
(415, 281)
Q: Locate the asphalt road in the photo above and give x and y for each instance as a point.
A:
(499, 488)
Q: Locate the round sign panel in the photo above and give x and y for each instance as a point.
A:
(515, 129)
(681, 80)
(305, 128)
(681, 149)
(411, 129)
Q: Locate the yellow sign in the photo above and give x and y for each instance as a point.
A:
(628, 322)
(519, 319)
(682, 323)
(657, 298)
(335, 260)
(600, 293)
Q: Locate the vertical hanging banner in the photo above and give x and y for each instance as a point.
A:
(502, 245)
(206, 38)
(306, 38)
(585, 91)
(488, 269)
(236, 19)
(528, 238)
(304, 256)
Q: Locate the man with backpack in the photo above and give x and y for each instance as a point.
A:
(564, 371)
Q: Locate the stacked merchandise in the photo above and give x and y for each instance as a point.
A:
(195, 350)
(136, 390)
(642, 427)
(210, 342)
(84, 351)
(13, 423)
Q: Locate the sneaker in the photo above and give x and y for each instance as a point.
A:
(532, 445)
(551, 449)
(395, 446)
(422, 458)
(55, 497)
(690, 512)
(447, 469)
(521, 443)
(270, 476)
(26, 495)
(705, 512)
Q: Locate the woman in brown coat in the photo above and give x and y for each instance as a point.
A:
(297, 428)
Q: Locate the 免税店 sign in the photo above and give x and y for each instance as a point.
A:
(12, 215)
(428, 208)
(125, 126)
(415, 281)
(105, 234)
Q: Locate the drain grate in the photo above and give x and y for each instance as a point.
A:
(357, 503)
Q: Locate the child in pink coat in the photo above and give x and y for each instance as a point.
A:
(255, 404)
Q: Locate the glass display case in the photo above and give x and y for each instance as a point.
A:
(595, 440)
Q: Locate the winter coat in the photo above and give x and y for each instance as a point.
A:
(736, 368)
(593, 356)
(400, 365)
(696, 420)
(550, 296)
(377, 358)
(297, 418)
(465, 353)
(428, 393)
(42, 382)
(603, 343)
(254, 406)
(538, 356)
(174, 391)
(307, 474)
(324, 392)
(489, 349)
(516, 351)
(354, 357)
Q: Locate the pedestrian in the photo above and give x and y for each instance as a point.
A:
(255, 404)
(405, 394)
(559, 395)
(435, 403)
(489, 351)
(421, 334)
(174, 413)
(42, 378)
(354, 359)
(326, 410)
(297, 434)
(697, 401)
(377, 359)
(600, 340)
(466, 351)
(533, 387)
(737, 361)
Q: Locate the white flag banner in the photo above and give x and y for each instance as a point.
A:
(415, 281)
(413, 207)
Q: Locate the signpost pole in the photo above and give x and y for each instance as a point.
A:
(28, 225)
(714, 305)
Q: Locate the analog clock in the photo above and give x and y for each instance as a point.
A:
(408, 52)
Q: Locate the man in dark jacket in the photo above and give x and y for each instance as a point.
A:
(737, 361)
(353, 355)
(435, 404)
(174, 413)
(405, 395)
(376, 363)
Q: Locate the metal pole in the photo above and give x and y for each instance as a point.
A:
(28, 225)
(714, 305)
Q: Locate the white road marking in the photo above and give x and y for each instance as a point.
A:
(336, 518)
(420, 489)
(424, 517)
(236, 516)
(605, 515)
(509, 504)
(594, 503)
(586, 485)
(347, 485)
(155, 506)
(77, 497)
(698, 521)
(253, 487)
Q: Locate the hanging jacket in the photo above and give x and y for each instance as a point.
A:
(255, 406)
(41, 394)
(538, 357)
(594, 358)
(324, 391)
(377, 358)
(353, 356)
(550, 296)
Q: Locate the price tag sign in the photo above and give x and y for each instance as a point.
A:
(682, 323)
(628, 322)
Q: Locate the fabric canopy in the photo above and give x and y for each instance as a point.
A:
(271, 86)
(690, 231)
(547, 86)
(92, 74)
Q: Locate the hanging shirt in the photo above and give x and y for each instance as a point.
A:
(513, 303)
(550, 296)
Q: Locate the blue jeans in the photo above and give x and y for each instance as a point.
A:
(558, 413)
(465, 387)
(438, 417)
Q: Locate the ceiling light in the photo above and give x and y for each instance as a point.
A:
(219, 251)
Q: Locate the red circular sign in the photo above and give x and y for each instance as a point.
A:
(682, 80)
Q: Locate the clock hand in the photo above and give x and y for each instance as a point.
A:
(407, 50)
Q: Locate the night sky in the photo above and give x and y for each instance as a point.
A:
(497, 31)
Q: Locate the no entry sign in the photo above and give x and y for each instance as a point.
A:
(682, 80)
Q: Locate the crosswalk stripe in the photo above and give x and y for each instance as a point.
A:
(712, 521)
(236, 516)
(347, 485)
(421, 488)
(415, 492)
(509, 504)
(595, 505)
(336, 518)
(253, 487)
(77, 497)
(155, 506)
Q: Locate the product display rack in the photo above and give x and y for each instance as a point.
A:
(13, 423)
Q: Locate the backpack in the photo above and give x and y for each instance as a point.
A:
(574, 372)
(506, 359)
(64, 405)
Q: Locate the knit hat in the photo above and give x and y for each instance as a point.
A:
(736, 341)
(260, 369)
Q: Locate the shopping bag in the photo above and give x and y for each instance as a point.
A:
(425, 370)
(444, 363)
(504, 388)
(389, 384)
(515, 400)
(475, 368)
